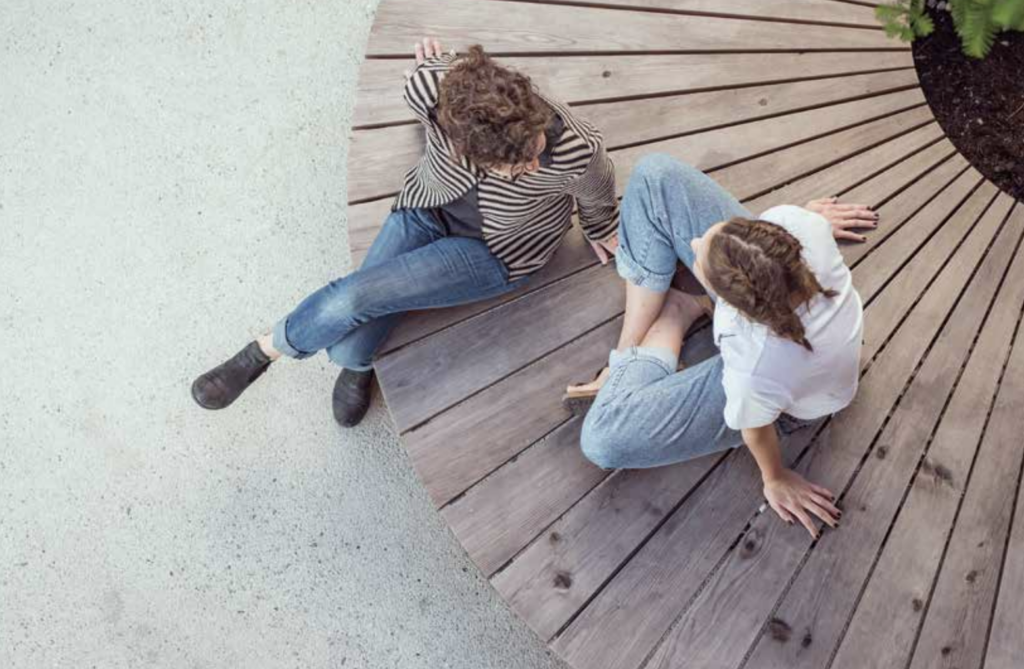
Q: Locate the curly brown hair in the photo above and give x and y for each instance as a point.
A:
(756, 266)
(491, 114)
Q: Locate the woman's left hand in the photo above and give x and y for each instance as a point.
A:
(844, 218)
(603, 249)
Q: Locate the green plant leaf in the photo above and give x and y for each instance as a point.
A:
(1009, 14)
(923, 25)
(978, 31)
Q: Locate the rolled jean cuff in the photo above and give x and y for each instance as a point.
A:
(657, 355)
(339, 360)
(281, 341)
(633, 272)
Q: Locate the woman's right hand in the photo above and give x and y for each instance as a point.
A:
(795, 498)
(429, 48)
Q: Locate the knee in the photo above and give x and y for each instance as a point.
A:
(342, 302)
(599, 445)
(658, 167)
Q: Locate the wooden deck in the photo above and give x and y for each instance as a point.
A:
(780, 101)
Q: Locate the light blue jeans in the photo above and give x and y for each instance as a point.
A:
(411, 265)
(648, 414)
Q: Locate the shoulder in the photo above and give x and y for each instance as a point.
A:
(575, 128)
(812, 230)
(791, 216)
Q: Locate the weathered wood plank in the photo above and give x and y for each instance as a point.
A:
(649, 593)
(595, 78)
(1005, 647)
(551, 580)
(899, 297)
(957, 619)
(888, 613)
(521, 28)
(902, 241)
(471, 357)
(892, 166)
(378, 158)
(502, 513)
(651, 119)
(451, 453)
(759, 175)
(490, 519)
(776, 10)
(820, 598)
(900, 209)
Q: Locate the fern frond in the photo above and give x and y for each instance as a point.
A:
(978, 30)
(922, 25)
(1009, 14)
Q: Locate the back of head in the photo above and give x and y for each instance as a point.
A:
(757, 267)
(491, 114)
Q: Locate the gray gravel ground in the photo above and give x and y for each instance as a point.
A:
(172, 179)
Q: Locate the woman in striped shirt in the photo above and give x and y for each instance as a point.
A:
(486, 206)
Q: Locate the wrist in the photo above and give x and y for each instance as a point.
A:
(772, 474)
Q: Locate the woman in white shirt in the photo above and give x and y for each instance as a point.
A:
(787, 320)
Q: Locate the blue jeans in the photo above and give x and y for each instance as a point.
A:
(648, 414)
(411, 265)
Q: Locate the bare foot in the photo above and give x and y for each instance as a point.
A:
(686, 307)
(590, 388)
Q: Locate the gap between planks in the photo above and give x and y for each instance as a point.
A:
(640, 9)
(895, 409)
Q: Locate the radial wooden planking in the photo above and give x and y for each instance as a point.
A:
(779, 100)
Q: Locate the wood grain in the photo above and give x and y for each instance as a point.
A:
(775, 10)
(520, 28)
(890, 610)
(602, 78)
(473, 355)
(650, 594)
(958, 616)
(818, 602)
(379, 158)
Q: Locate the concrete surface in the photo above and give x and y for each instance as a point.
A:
(172, 179)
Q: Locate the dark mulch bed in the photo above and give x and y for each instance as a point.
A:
(978, 103)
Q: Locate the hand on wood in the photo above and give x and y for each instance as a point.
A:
(795, 498)
(606, 249)
(428, 48)
(845, 218)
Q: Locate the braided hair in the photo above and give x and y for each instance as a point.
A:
(756, 266)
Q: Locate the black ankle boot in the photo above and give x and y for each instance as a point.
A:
(223, 384)
(351, 398)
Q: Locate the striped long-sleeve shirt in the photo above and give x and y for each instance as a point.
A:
(525, 219)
